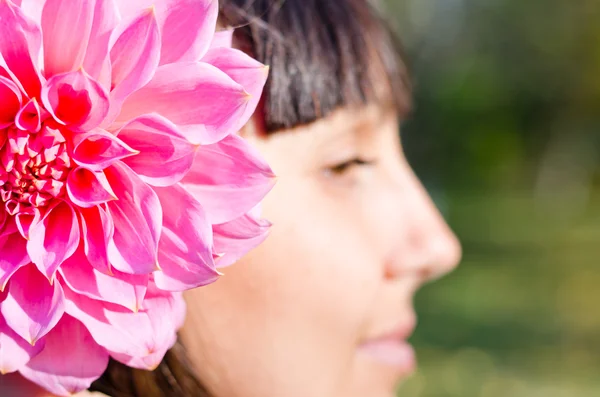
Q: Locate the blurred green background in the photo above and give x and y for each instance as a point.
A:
(506, 136)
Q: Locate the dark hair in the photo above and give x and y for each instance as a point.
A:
(323, 54)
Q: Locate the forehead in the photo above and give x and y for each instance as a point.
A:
(345, 130)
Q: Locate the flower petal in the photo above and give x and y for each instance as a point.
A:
(9, 227)
(137, 216)
(236, 238)
(32, 8)
(185, 248)
(188, 29)
(15, 352)
(199, 98)
(87, 188)
(53, 239)
(236, 180)
(20, 44)
(99, 149)
(97, 230)
(13, 256)
(97, 59)
(33, 306)
(134, 57)
(66, 26)
(222, 38)
(165, 154)
(76, 100)
(10, 101)
(131, 337)
(30, 116)
(3, 214)
(244, 70)
(70, 361)
(119, 288)
(25, 218)
(187, 26)
(165, 313)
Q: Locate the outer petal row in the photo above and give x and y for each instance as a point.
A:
(186, 244)
(229, 178)
(20, 45)
(70, 361)
(139, 339)
(187, 26)
(204, 102)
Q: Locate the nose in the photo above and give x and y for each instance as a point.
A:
(427, 246)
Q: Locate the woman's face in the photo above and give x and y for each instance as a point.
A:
(323, 308)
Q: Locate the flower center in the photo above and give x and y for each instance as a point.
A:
(33, 167)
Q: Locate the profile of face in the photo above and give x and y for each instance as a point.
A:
(323, 307)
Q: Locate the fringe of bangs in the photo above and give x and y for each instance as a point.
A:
(323, 55)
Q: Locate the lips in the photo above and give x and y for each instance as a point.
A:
(391, 348)
(399, 354)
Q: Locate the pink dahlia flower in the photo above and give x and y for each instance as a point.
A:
(121, 178)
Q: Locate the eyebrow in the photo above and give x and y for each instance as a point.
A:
(364, 120)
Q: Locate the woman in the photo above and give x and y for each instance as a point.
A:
(323, 307)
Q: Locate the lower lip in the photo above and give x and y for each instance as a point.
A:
(393, 353)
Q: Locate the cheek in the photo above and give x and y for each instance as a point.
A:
(297, 304)
(320, 256)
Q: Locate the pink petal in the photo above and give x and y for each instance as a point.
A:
(87, 188)
(25, 218)
(185, 249)
(33, 306)
(3, 214)
(53, 239)
(188, 29)
(228, 178)
(131, 337)
(97, 230)
(131, 9)
(99, 149)
(76, 100)
(70, 361)
(158, 307)
(30, 116)
(32, 8)
(199, 98)
(13, 256)
(187, 26)
(134, 57)
(112, 326)
(9, 225)
(10, 101)
(236, 238)
(165, 154)
(222, 38)
(97, 59)
(20, 43)
(66, 26)
(244, 70)
(15, 352)
(119, 288)
(137, 216)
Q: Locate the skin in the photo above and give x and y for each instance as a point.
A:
(349, 246)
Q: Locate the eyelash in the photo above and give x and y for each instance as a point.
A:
(342, 168)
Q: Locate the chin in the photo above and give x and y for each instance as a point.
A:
(374, 379)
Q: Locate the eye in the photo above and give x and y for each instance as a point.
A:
(343, 168)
